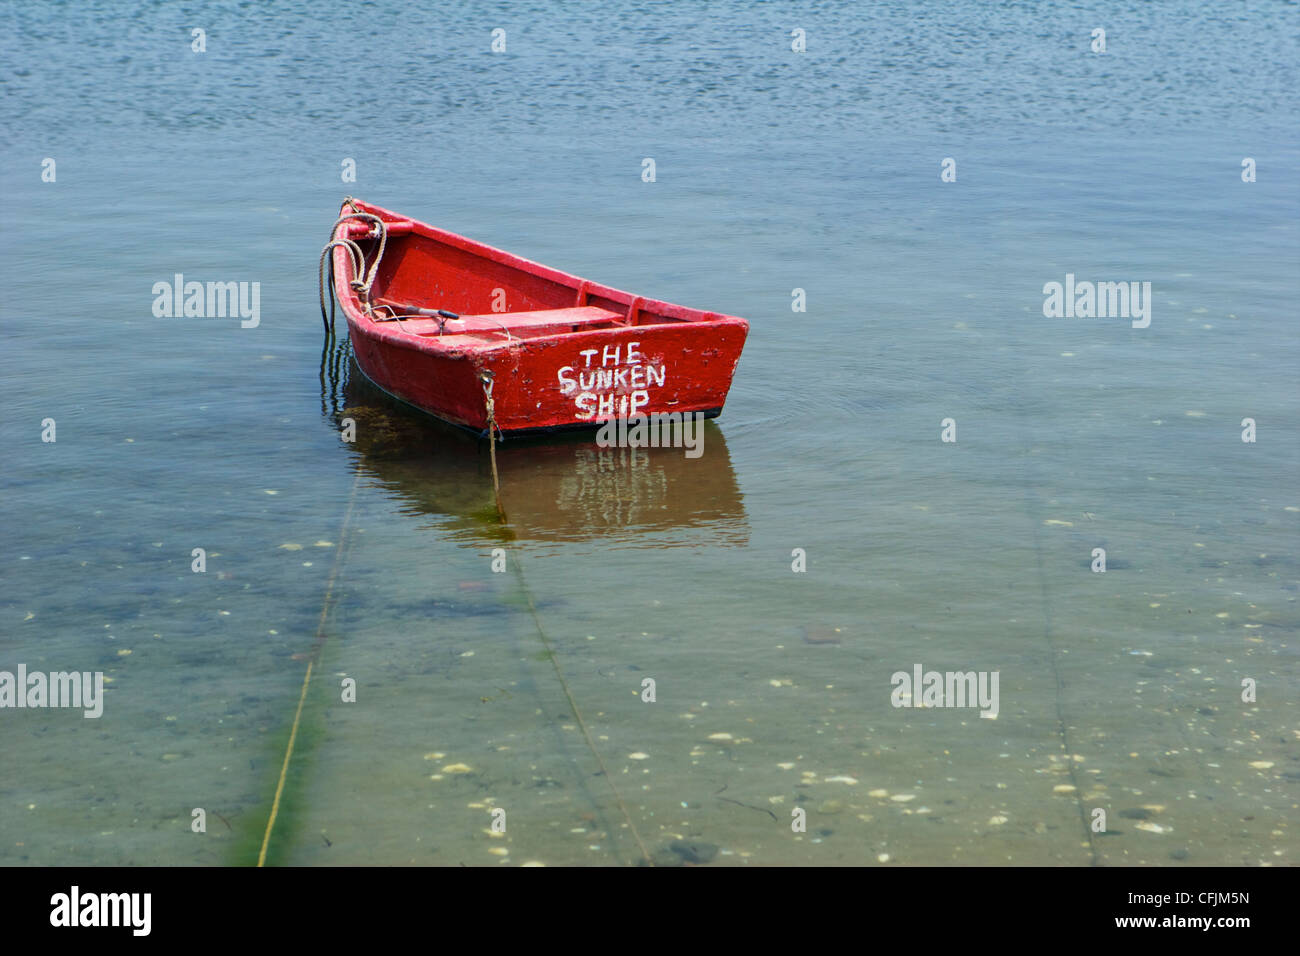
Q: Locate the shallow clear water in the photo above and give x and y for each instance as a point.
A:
(774, 171)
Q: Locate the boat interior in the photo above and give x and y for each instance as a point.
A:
(435, 288)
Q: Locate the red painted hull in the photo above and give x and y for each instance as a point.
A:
(562, 352)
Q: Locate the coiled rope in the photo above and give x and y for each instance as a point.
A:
(358, 260)
(360, 284)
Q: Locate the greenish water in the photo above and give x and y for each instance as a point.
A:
(1119, 691)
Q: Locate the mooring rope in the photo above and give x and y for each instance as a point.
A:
(1063, 729)
(493, 434)
(311, 663)
(577, 712)
(362, 287)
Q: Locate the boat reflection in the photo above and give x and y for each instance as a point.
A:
(560, 487)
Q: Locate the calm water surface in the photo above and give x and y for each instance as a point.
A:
(774, 171)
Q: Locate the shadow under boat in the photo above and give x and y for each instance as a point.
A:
(558, 487)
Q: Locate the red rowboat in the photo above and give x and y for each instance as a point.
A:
(464, 331)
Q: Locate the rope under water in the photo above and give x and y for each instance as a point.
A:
(1063, 727)
(493, 432)
(318, 644)
(577, 712)
(362, 288)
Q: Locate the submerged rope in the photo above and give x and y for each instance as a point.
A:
(306, 679)
(362, 288)
(577, 713)
(1063, 729)
(493, 431)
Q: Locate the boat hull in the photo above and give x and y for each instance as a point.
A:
(576, 356)
(551, 386)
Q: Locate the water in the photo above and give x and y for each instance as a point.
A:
(774, 171)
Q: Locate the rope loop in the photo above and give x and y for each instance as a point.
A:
(362, 280)
(354, 252)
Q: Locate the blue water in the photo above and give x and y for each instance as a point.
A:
(775, 170)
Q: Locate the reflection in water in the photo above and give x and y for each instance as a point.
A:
(555, 488)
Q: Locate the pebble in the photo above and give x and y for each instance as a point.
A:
(457, 768)
(638, 756)
(1257, 764)
(1152, 827)
(693, 851)
(821, 636)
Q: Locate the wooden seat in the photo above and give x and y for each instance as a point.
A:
(516, 323)
(574, 318)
